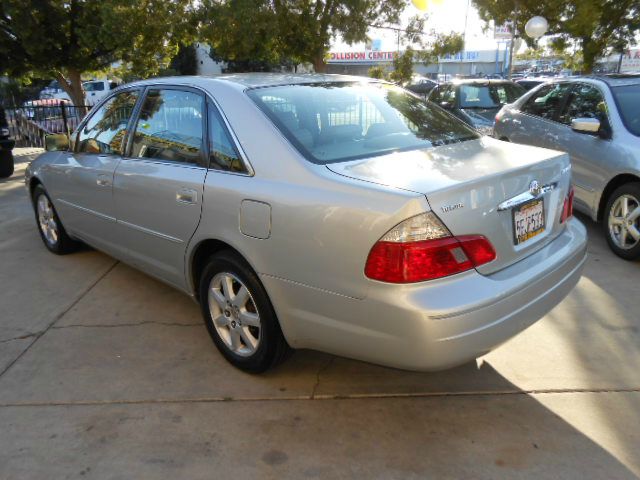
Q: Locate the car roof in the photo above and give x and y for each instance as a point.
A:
(478, 81)
(255, 80)
(616, 79)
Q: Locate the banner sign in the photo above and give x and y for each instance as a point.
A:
(502, 32)
(367, 56)
(631, 61)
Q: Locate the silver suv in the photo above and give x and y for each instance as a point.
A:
(597, 121)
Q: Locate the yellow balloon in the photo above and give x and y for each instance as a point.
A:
(421, 5)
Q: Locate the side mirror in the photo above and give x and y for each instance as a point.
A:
(446, 105)
(56, 142)
(585, 125)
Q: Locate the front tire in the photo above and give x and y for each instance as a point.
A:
(6, 163)
(51, 230)
(621, 221)
(239, 316)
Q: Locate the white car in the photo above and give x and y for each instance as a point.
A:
(94, 91)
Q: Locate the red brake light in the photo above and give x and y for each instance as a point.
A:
(567, 208)
(407, 262)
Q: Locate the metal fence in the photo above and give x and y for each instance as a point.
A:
(30, 122)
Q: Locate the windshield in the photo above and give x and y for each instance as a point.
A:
(334, 122)
(489, 96)
(628, 100)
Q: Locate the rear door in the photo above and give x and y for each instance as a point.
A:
(158, 187)
(82, 183)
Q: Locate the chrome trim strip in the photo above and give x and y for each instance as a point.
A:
(525, 197)
(150, 232)
(87, 210)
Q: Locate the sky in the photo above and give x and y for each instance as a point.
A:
(444, 18)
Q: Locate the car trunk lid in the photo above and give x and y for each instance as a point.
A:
(468, 186)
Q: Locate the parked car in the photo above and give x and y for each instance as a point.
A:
(476, 101)
(317, 211)
(6, 147)
(50, 90)
(421, 86)
(94, 91)
(597, 121)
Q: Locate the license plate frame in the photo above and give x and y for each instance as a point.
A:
(521, 211)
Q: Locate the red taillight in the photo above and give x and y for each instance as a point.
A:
(567, 208)
(406, 262)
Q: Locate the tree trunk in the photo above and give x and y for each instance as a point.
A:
(319, 64)
(72, 84)
(589, 55)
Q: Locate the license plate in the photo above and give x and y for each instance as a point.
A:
(528, 221)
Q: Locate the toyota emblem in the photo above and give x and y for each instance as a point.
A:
(534, 188)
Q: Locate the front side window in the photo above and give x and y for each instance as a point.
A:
(105, 130)
(584, 101)
(547, 101)
(488, 96)
(222, 151)
(340, 121)
(628, 100)
(170, 126)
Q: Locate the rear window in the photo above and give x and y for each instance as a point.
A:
(489, 96)
(335, 122)
(628, 100)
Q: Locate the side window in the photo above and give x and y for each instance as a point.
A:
(169, 126)
(222, 152)
(449, 94)
(436, 95)
(585, 101)
(546, 101)
(105, 130)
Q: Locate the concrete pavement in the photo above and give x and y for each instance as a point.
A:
(106, 373)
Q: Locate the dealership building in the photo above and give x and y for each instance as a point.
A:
(468, 62)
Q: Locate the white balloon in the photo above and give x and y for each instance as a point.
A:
(536, 27)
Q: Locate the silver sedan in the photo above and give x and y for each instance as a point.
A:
(597, 121)
(326, 212)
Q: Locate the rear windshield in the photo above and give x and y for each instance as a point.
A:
(335, 122)
(628, 100)
(489, 96)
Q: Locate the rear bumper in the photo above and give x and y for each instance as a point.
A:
(438, 324)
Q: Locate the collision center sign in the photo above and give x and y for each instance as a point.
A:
(367, 56)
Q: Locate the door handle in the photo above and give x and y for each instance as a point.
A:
(103, 181)
(186, 195)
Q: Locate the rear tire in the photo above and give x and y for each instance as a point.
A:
(621, 221)
(51, 230)
(239, 316)
(6, 163)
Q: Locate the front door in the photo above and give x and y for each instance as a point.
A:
(590, 154)
(536, 123)
(158, 186)
(84, 179)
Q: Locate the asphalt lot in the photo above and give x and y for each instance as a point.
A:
(106, 373)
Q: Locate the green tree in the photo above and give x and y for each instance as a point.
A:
(403, 67)
(68, 38)
(298, 30)
(596, 25)
(377, 71)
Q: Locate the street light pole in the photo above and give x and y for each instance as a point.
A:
(514, 35)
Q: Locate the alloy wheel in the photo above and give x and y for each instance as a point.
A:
(624, 221)
(47, 221)
(234, 314)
